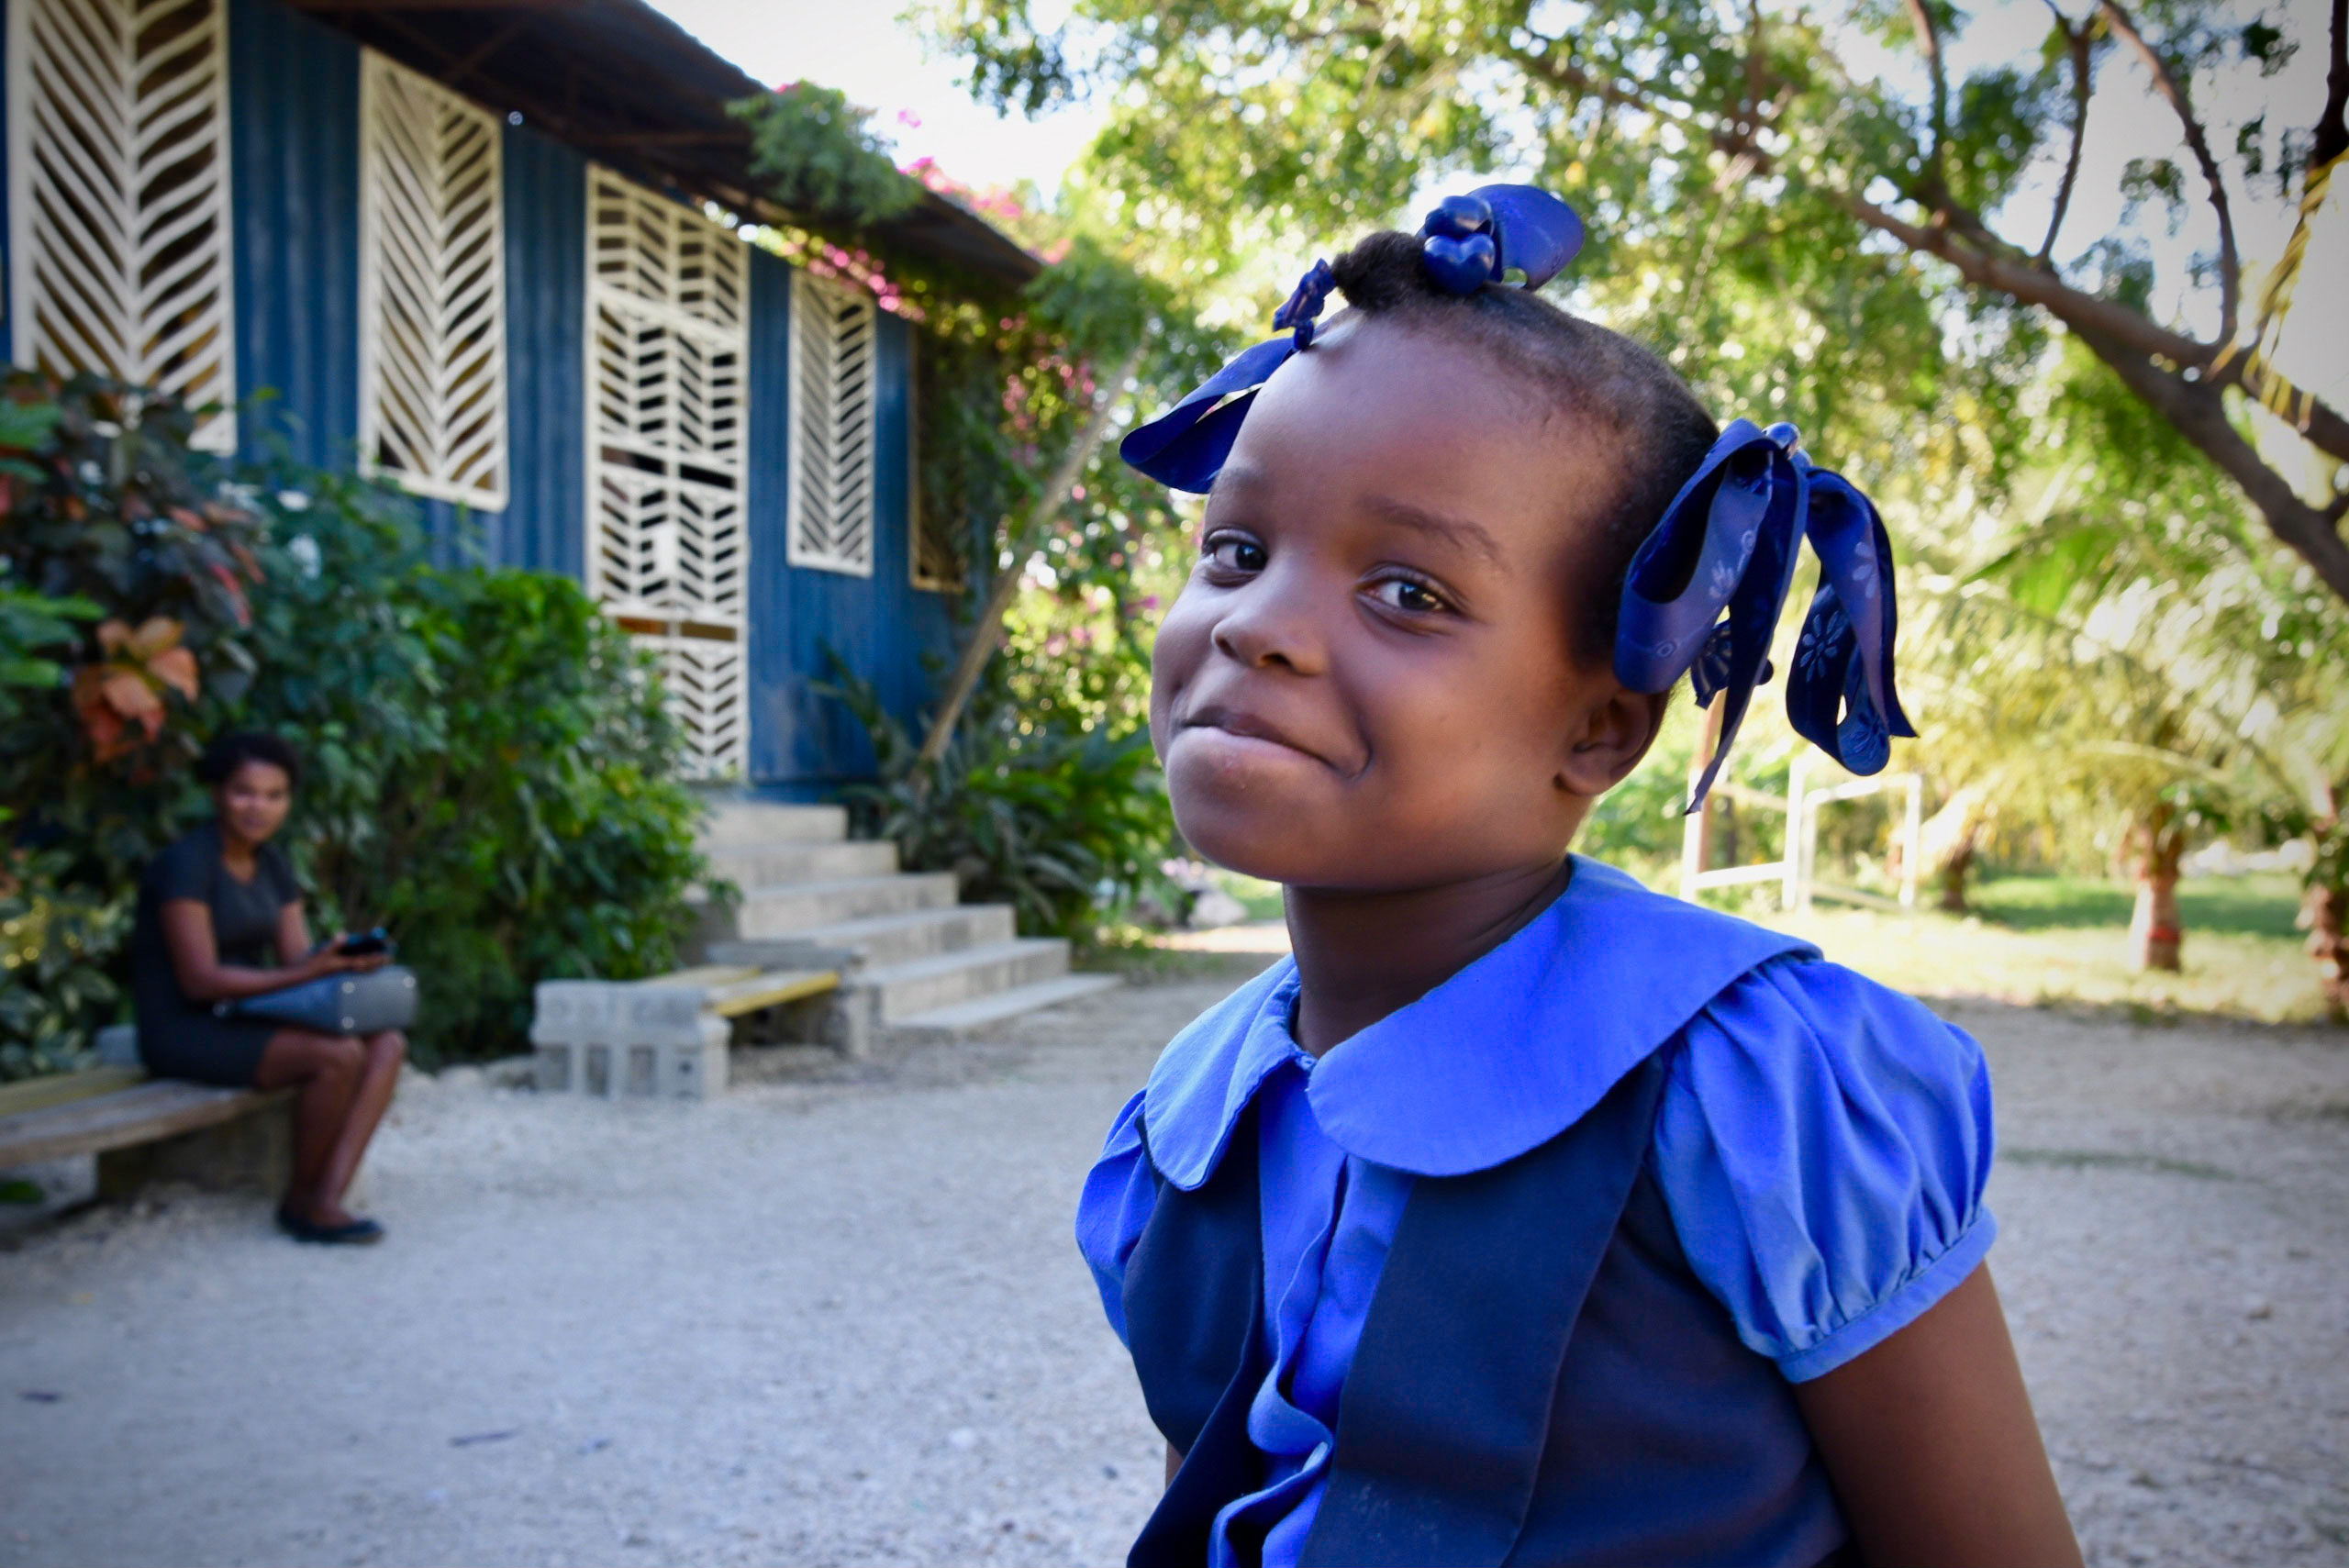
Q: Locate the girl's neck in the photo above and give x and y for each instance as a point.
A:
(1359, 956)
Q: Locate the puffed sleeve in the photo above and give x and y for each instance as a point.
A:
(1822, 1145)
(1119, 1193)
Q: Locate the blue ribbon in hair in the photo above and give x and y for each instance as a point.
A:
(1706, 588)
(1466, 242)
(1704, 592)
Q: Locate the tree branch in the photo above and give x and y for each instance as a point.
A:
(2320, 425)
(1563, 72)
(2198, 411)
(1929, 38)
(2030, 284)
(2333, 126)
(2076, 44)
(2085, 313)
(988, 630)
(2174, 91)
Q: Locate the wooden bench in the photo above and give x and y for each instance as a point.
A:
(667, 1036)
(147, 1130)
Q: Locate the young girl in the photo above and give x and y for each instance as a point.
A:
(1528, 1217)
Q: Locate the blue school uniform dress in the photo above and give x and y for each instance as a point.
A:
(1524, 1271)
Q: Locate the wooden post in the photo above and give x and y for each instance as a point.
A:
(1794, 892)
(1697, 827)
(988, 631)
(1912, 850)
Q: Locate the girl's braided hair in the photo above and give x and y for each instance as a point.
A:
(1650, 419)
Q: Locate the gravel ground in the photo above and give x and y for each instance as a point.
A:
(835, 1318)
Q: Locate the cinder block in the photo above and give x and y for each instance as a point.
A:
(572, 1010)
(669, 1057)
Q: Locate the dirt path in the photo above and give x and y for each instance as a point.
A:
(835, 1317)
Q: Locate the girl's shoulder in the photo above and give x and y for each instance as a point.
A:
(1823, 1142)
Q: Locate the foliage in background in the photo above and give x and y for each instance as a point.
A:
(1067, 824)
(491, 770)
(1809, 236)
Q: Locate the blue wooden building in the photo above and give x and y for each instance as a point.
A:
(482, 249)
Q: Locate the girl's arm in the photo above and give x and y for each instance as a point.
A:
(1933, 1447)
(196, 956)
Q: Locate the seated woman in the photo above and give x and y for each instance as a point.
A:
(219, 918)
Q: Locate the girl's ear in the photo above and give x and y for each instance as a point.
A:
(1616, 730)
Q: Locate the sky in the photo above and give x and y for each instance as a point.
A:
(860, 48)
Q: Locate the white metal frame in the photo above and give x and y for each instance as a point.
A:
(90, 214)
(835, 426)
(432, 409)
(667, 346)
(1796, 869)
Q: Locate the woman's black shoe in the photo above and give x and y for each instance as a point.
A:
(354, 1233)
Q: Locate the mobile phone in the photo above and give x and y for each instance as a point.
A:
(366, 943)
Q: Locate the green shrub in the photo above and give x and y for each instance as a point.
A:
(1068, 825)
(550, 836)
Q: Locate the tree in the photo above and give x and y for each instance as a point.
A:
(1803, 235)
(2127, 652)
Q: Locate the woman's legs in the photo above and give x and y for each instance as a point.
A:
(325, 1069)
(379, 1074)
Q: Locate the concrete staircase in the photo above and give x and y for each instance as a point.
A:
(922, 963)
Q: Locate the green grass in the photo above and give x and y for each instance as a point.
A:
(2248, 906)
(2237, 974)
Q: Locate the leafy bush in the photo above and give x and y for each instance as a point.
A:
(1066, 824)
(548, 835)
(491, 770)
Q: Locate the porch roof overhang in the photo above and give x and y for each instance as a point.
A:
(639, 94)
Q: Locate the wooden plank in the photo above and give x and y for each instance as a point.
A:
(772, 990)
(160, 1107)
(61, 1088)
(705, 974)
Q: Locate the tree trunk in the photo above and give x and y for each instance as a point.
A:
(2325, 909)
(2326, 913)
(1953, 874)
(2157, 934)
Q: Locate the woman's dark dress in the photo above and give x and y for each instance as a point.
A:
(178, 1037)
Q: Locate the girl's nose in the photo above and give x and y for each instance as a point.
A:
(1266, 627)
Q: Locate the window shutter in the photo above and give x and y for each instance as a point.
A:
(119, 183)
(834, 339)
(431, 289)
(668, 548)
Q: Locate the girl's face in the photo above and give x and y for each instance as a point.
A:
(1368, 681)
(254, 800)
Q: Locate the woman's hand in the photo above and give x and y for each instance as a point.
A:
(332, 959)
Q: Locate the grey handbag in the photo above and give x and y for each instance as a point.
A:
(336, 1004)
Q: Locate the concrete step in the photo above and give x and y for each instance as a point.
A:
(918, 984)
(734, 823)
(760, 865)
(782, 909)
(960, 1019)
(896, 937)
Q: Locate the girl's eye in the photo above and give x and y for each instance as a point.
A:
(1227, 552)
(1410, 597)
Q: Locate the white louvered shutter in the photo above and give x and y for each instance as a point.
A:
(431, 289)
(119, 244)
(668, 547)
(835, 337)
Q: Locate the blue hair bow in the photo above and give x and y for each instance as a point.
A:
(1466, 242)
(1704, 593)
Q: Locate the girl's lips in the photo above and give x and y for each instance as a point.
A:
(1248, 731)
